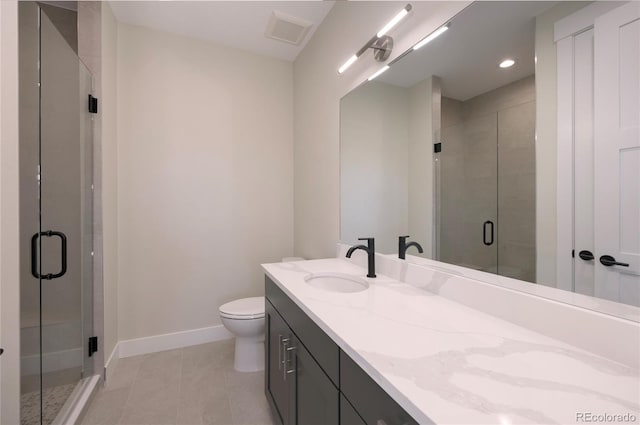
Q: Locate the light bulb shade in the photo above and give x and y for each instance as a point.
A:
(431, 37)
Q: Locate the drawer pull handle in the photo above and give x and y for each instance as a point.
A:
(287, 360)
(279, 351)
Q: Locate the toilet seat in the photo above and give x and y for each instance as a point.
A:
(243, 309)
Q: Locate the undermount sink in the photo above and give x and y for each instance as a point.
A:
(337, 282)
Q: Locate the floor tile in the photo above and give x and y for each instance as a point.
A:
(249, 407)
(107, 407)
(190, 386)
(125, 373)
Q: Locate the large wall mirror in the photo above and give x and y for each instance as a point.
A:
(509, 144)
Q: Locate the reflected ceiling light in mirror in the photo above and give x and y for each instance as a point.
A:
(507, 63)
(381, 43)
(431, 37)
(378, 72)
(392, 23)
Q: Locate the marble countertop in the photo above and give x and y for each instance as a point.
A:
(446, 363)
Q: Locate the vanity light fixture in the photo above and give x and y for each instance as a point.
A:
(392, 23)
(381, 43)
(431, 37)
(507, 63)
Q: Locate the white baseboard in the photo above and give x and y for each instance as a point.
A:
(153, 344)
(111, 363)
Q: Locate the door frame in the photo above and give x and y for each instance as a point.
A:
(9, 216)
(564, 30)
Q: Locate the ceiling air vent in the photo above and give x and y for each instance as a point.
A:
(283, 27)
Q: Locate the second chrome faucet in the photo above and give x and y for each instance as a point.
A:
(370, 249)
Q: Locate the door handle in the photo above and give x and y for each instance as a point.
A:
(484, 232)
(586, 255)
(34, 255)
(608, 261)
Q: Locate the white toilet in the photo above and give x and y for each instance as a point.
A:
(245, 319)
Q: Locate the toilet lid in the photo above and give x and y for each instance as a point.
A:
(246, 308)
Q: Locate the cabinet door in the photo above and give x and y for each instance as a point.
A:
(277, 388)
(372, 403)
(317, 400)
(348, 415)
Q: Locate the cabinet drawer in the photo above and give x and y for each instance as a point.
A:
(323, 349)
(371, 402)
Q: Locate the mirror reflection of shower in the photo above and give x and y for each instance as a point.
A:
(488, 148)
(486, 182)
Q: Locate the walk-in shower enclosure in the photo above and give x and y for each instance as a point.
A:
(56, 136)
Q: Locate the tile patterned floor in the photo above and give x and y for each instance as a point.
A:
(195, 385)
(54, 399)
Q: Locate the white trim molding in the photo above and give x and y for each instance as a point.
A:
(112, 363)
(153, 344)
(565, 31)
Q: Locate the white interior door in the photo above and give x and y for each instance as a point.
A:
(583, 160)
(617, 153)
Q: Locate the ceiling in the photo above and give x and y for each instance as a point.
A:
(466, 57)
(239, 24)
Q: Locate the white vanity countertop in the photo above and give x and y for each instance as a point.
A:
(449, 364)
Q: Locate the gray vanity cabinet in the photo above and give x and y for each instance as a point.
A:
(370, 401)
(310, 381)
(296, 385)
(348, 415)
(276, 386)
(316, 398)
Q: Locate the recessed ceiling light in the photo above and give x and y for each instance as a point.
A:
(507, 63)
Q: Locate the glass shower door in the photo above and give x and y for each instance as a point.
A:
(468, 194)
(57, 289)
(486, 191)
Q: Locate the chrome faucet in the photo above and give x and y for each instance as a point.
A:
(371, 254)
(403, 245)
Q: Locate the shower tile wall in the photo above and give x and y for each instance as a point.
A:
(488, 173)
(517, 192)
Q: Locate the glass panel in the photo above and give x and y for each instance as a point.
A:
(468, 169)
(29, 213)
(56, 204)
(86, 210)
(65, 206)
